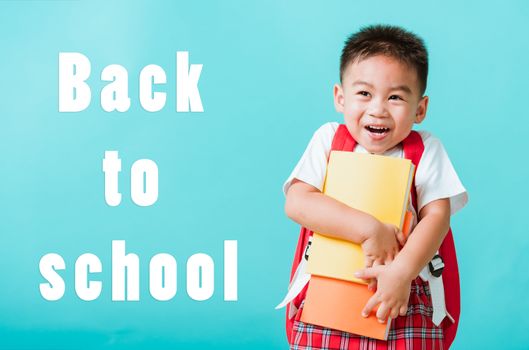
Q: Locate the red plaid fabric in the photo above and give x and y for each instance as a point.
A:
(415, 330)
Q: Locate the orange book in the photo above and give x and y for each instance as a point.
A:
(338, 304)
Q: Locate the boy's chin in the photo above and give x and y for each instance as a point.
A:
(377, 149)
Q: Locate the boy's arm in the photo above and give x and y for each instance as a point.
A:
(394, 280)
(434, 222)
(310, 208)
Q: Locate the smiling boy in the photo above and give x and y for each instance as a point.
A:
(383, 74)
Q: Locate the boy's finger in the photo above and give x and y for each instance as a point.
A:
(372, 285)
(403, 310)
(368, 261)
(394, 312)
(401, 237)
(382, 312)
(371, 303)
(363, 274)
(367, 273)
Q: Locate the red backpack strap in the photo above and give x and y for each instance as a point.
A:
(413, 150)
(452, 288)
(343, 141)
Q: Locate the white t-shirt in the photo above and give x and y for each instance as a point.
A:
(435, 177)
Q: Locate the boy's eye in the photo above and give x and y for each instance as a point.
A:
(395, 97)
(363, 93)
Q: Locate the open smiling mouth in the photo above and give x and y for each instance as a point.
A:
(377, 129)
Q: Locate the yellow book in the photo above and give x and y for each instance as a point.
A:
(377, 185)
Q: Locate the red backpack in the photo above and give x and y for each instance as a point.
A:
(413, 150)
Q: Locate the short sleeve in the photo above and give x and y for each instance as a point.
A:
(313, 163)
(436, 177)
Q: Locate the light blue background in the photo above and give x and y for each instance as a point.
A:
(266, 85)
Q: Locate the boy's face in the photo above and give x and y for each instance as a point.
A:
(380, 99)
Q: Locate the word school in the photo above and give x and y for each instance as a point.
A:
(75, 93)
(126, 276)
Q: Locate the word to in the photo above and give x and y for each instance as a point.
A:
(143, 180)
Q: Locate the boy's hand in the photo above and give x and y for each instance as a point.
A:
(393, 292)
(381, 245)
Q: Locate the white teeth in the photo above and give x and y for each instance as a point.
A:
(377, 127)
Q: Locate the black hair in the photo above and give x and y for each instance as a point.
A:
(390, 41)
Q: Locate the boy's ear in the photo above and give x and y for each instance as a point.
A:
(339, 100)
(421, 110)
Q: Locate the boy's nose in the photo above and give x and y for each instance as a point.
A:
(377, 109)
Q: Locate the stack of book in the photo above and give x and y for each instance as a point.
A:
(374, 184)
